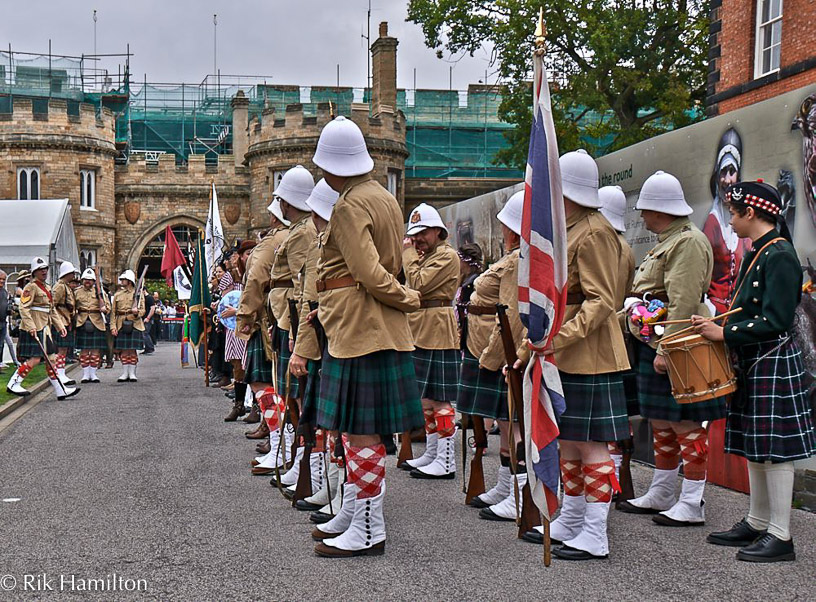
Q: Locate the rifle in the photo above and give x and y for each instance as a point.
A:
(303, 429)
(405, 452)
(99, 296)
(529, 513)
(627, 491)
(320, 332)
(475, 484)
(137, 292)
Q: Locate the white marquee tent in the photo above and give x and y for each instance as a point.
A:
(36, 228)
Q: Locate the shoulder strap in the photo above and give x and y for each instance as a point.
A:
(750, 266)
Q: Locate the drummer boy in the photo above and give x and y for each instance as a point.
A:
(769, 421)
(677, 271)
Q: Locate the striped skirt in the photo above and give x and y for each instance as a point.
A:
(481, 392)
(234, 348)
(656, 399)
(770, 418)
(596, 408)
(283, 367)
(258, 368)
(134, 340)
(437, 372)
(374, 394)
(91, 340)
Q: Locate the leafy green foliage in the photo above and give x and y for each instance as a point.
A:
(622, 71)
(165, 292)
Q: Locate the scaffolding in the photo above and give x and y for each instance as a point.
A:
(449, 133)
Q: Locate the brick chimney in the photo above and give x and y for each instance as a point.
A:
(240, 123)
(384, 73)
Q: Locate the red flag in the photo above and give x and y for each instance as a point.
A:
(172, 257)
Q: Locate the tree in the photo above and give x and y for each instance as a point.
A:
(622, 71)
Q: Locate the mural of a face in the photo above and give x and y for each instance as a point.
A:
(727, 177)
(805, 122)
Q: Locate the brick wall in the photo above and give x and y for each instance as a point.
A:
(60, 145)
(167, 194)
(737, 87)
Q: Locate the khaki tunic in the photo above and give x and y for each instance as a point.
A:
(37, 310)
(87, 305)
(590, 340)
(307, 345)
(626, 276)
(65, 302)
(436, 277)
(679, 266)
(499, 284)
(256, 280)
(289, 259)
(122, 304)
(364, 241)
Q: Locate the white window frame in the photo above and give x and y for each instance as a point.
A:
(392, 182)
(25, 172)
(87, 257)
(277, 176)
(87, 176)
(759, 50)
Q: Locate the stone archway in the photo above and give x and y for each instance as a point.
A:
(138, 248)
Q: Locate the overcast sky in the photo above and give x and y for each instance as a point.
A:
(291, 41)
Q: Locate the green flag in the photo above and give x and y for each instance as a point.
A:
(200, 295)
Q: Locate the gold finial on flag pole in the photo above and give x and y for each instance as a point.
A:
(541, 30)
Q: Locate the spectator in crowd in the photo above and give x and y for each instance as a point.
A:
(150, 310)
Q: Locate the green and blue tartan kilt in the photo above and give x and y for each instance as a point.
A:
(630, 388)
(596, 408)
(257, 368)
(770, 419)
(27, 347)
(95, 340)
(134, 340)
(311, 395)
(656, 399)
(374, 394)
(283, 367)
(437, 372)
(67, 342)
(481, 392)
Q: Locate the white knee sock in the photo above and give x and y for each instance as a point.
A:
(759, 512)
(780, 495)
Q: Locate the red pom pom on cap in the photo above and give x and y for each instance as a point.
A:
(760, 180)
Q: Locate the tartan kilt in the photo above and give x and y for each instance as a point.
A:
(27, 347)
(656, 400)
(67, 342)
(258, 368)
(311, 394)
(374, 394)
(134, 340)
(283, 366)
(770, 420)
(481, 392)
(631, 390)
(437, 373)
(595, 408)
(98, 339)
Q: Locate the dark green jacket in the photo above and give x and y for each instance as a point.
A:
(768, 293)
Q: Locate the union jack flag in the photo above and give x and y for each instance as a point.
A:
(542, 294)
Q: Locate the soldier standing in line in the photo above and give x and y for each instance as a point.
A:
(65, 303)
(39, 317)
(90, 323)
(431, 268)
(295, 187)
(252, 326)
(367, 386)
(128, 325)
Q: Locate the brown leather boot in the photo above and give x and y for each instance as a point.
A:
(237, 411)
(254, 415)
(263, 447)
(225, 380)
(262, 432)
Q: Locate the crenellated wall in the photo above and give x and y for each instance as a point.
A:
(60, 144)
(278, 142)
(150, 197)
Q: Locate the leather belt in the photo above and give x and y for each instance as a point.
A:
(436, 303)
(575, 298)
(659, 296)
(281, 284)
(124, 313)
(89, 311)
(481, 310)
(333, 283)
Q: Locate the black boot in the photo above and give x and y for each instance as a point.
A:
(768, 548)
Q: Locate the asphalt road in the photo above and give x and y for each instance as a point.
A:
(146, 482)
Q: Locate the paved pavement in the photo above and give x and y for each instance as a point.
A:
(145, 481)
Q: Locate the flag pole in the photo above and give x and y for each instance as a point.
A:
(540, 43)
(201, 262)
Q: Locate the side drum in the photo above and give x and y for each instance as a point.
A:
(699, 369)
